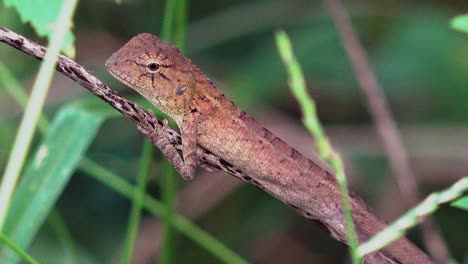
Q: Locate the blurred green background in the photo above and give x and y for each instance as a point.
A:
(421, 63)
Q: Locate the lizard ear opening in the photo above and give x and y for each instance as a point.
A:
(181, 90)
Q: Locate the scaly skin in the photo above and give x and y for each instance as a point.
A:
(159, 72)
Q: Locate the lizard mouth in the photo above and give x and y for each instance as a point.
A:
(117, 67)
(119, 75)
(124, 78)
(135, 83)
(109, 63)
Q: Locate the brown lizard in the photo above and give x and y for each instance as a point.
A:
(163, 75)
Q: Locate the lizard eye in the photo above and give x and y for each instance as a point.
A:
(153, 66)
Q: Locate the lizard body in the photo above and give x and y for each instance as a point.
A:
(169, 80)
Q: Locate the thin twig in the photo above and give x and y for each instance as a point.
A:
(411, 218)
(386, 127)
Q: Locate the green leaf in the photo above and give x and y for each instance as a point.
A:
(42, 15)
(47, 174)
(461, 203)
(460, 23)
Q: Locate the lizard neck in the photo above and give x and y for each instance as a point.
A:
(207, 97)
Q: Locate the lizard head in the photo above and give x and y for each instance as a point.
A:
(158, 71)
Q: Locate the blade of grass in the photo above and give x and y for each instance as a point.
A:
(5, 240)
(413, 217)
(186, 227)
(137, 204)
(312, 123)
(48, 172)
(173, 29)
(28, 123)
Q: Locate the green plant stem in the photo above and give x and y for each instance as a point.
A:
(181, 24)
(17, 249)
(57, 224)
(414, 216)
(138, 196)
(186, 227)
(33, 109)
(168, 20)
(173, 29)
(312, 123)
(169, 193)
(16, 90)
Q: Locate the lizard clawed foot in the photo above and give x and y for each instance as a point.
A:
(144, 129)
(187, 173)
(151, 117)
(150, 124)
(206, 167)
(165, 124)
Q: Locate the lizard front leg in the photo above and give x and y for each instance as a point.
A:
(186, 167)
(188, 131)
